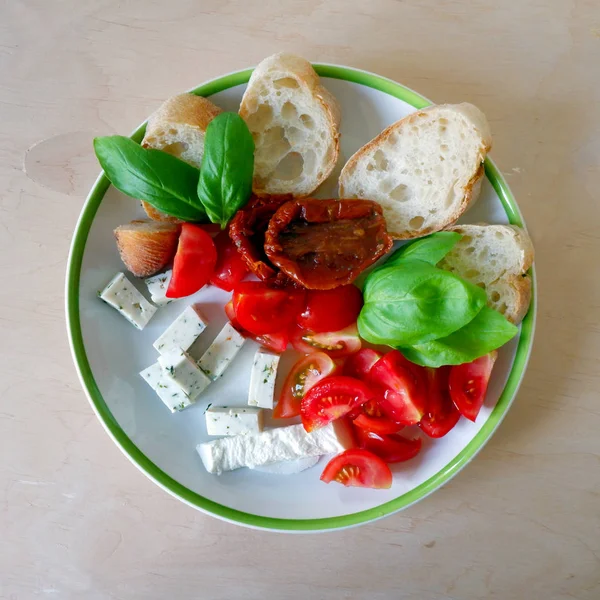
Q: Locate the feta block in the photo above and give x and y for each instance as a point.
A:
(168, 391)
(262, 379)
(273, 445)
(122, 295)
(289, 467)
(157, 288)
(182, 332)
(181, 369)
(226, 420)
(222, 351)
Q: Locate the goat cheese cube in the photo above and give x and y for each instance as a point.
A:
(168, 391)
(225, 420)
(157, 288)
(221, 352)
(122, 295)
(273, 445)
(262, 379)
(182, 332)
(182, 370)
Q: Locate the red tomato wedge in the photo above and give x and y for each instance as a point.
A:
(308, 371)
(391, 448)
(230, 268)
(360, 468)
(440, 415)
(331, 310)
(335, 343)
(371, 417)
(359, 365)
(194, 261)
(468, 384)
(404, 396)
(331, 399)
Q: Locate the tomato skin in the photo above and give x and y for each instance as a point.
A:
(330, 399)
(308, 371)
(360, 468)
(331, 310)
(359, 365)
(230, 268)
(391, 448)
(194, 261)
(335, 343)
(440, 415)
(468, 384)
(371, 417)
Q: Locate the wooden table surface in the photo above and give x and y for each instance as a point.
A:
(79, 521)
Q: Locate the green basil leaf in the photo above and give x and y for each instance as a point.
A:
(486, 332)
(162, 180)
(430, 249)
(225, 182)
(414, 302)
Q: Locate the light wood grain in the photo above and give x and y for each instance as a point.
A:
(78, 521)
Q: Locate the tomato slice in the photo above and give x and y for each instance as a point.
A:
(360, 468)
(391, 448)
(468, 384)
(194, 261)
(335, 343)
(230, 268)
(404, 398)
(372, 418)
(308, 371)
(331, 399)
(359, 365)
(331, 310)
(441, 415)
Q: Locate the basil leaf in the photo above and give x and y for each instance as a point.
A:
(430, 249)
(225, 182)
(162, 180)
(486, 332)
(414, 302)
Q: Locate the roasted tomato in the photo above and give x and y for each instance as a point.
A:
(230, 268)
(360, 468)
(322, 244)
(331, 310)
(335, 343)
(359, 365)
(308, 371)
(371, 417)
(440, 415)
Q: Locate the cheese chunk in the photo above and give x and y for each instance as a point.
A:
(262, 379)
(168, 391)
(182, 332)
(122, 295)
(180, 368)
(221, 352)
(289, 467)
(225, 420)
(157, 288)
(272, 445)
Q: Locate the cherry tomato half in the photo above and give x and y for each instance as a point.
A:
(335, 343)
(331, 310)
(331, 399)
(391, 448)
(359, 365)
(468, 384)
(360, 468)
(194, 261)
(440, 415)
(230, 268)
(371, 417)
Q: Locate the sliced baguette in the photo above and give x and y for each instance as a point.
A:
(295, 124)
(497, 258)
(425, 170)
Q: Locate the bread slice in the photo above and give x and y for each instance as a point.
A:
(295, 124)
(146, 247)
(178, 127)
(496, 258)
(425, 170)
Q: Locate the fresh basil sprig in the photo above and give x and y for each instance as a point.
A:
(430, 249)
(225, 182)
(164, 181)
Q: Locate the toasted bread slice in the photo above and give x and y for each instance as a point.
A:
(178, 127)
(425, 170)
(497, 258)
(295, 124)
(146, 247)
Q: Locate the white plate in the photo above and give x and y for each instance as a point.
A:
(109, 353)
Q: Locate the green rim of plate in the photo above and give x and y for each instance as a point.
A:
(178, 490)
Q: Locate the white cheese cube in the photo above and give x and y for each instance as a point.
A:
(182, 332)
(122, 295)
(262, 379)
(226, 420)
(168, 391)
(182, 370)
(158, 286)
(289, 467)
(221, 352)
(274, 445)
